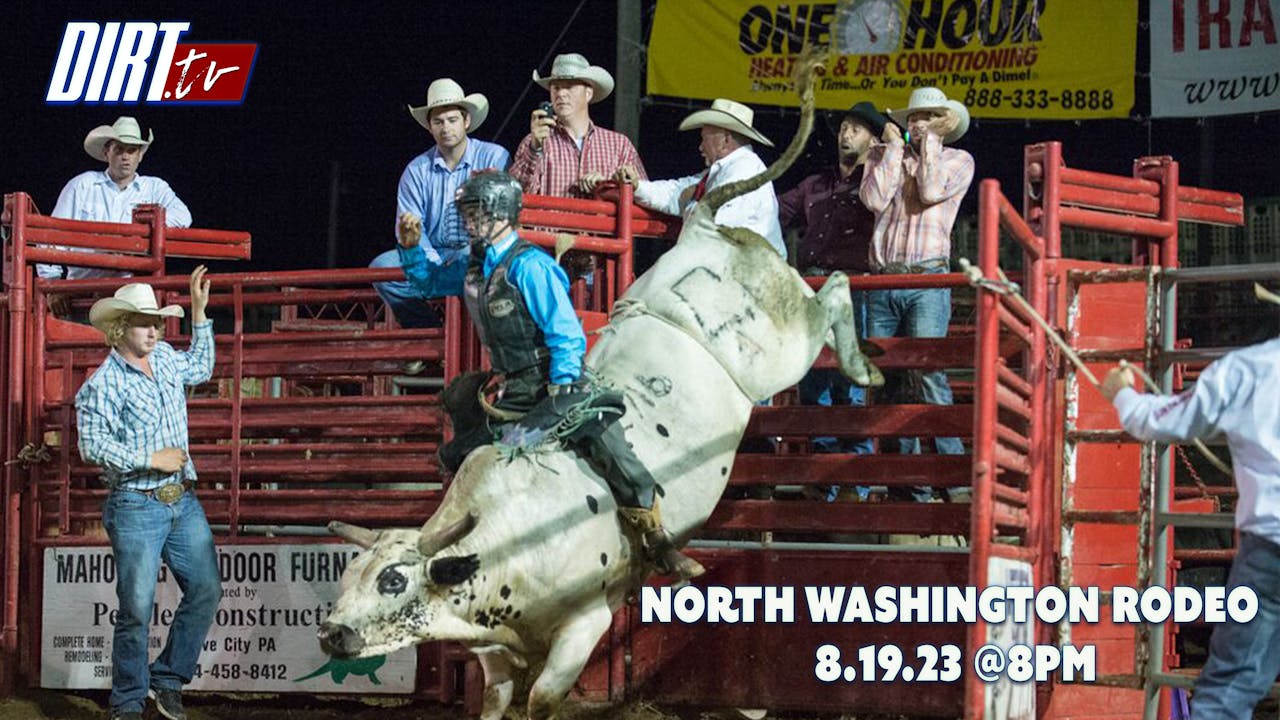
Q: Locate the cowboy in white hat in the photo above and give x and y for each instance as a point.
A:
(565, 154)
(110, 195)
(1234, 397)
(131, 417)
(432, 243)
(727, 147)
(915, 189)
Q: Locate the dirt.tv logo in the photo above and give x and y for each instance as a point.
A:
(109, 63)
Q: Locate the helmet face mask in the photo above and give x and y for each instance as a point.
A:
(488, 201)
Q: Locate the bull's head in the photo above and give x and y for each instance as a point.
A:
(392, 593)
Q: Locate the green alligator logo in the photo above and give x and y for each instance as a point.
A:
(340, 669)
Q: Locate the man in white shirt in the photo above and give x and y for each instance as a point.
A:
(110, 195)
(1237, 396)
(726, 147)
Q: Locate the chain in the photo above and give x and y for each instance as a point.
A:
(1191, 470)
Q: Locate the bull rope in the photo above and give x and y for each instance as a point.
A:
(1010, 290)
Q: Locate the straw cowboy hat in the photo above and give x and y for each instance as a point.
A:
(445, 92)
(729, 115)
(931, 98)
(572, 66)
(125, 130)
(132, 298)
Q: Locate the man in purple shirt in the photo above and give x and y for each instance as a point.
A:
(836, 235)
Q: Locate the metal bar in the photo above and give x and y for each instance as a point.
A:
(1009, 436)
(1119, 274)
(1011, 220)
(85, 226)
(1212, 521)
(585, 243)
(237, 404)
(1222, 273)
(1010, 318)
(1119, 224)
(132, 263)
(111, 243)
(1105, 181)
(1165, 297)
(1211, 214)
(626, 262)
(1204, 196)
(1012, 380)
(985, 410)
(1110, 200)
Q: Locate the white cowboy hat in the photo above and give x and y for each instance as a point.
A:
(729, 115)
(125, 130)
(931, 98)
(132, 298)
(572, 66)
(444, 93)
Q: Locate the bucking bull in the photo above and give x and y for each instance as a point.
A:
(526, 559)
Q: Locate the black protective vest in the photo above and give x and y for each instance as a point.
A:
(502, 318)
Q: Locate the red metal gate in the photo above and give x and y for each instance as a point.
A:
(307, 423)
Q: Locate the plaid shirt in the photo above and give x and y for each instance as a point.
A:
(556, 169)
(123, 416)
(915, 198)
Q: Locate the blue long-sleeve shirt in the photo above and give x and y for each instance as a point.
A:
(427, 189)
(545, 288)
(123, 416)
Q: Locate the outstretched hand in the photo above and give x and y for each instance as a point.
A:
(199, 294)
(409, 229)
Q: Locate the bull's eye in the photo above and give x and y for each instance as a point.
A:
(392, 582)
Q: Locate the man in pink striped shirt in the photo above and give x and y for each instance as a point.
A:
(565, 154)
(915, 188)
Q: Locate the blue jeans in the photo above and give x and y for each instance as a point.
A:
(409, 304)
(921, 314)
(1243, 662)
(143, 531)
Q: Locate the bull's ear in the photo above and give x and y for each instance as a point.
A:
(363, 537)
(431, 543)
(452, 570)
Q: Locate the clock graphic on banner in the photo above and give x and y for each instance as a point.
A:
(869, 27)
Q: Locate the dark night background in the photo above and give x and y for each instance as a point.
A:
(332, 80)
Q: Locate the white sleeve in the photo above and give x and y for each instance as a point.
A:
(664, 195)
(1200, 412)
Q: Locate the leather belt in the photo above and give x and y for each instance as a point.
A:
(897, 268)
(168, 494)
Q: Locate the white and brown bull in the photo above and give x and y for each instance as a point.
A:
(526, 560)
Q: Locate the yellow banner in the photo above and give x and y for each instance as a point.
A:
(1033, 59)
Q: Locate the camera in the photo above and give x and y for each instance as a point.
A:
(548, 108)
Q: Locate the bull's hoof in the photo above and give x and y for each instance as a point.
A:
(864, 372)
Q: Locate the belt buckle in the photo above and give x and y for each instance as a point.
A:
(169, 494)
(895, 268)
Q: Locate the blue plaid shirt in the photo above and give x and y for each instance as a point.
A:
(123, 416)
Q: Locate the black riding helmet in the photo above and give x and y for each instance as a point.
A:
(494, 195)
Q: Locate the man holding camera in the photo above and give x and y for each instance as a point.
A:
(565, 154)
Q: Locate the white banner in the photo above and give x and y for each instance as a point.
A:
(1214, 57)
(263, 637)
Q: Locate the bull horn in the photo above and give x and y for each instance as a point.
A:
(364, 537)
(431, 543)
(806, 68)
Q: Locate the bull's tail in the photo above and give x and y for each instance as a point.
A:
(805, 71)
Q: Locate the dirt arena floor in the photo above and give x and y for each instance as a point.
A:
(50, 705)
